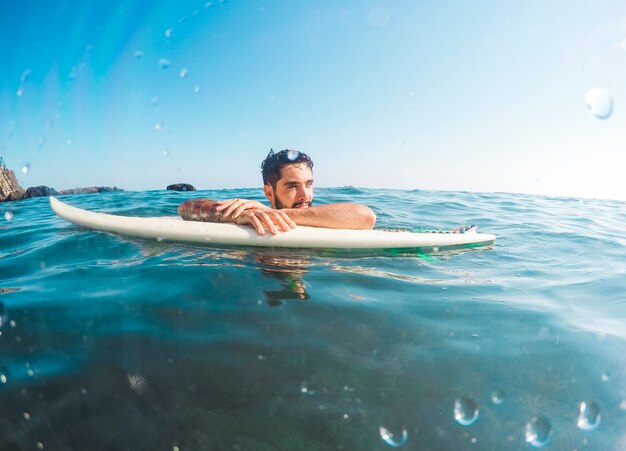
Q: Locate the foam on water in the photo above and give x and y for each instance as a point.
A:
(160, 345)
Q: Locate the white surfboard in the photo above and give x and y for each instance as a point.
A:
(174, 229)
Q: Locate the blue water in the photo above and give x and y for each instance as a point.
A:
(114, 343)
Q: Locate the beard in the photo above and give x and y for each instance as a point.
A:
(280, 205)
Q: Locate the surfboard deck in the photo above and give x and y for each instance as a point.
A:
(174, 229)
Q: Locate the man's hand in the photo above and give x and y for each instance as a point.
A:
(232, 208)
(266, 219)
(255, 214)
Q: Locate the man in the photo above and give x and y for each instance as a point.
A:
(288, 185)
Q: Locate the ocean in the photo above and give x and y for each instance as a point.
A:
(116, 343)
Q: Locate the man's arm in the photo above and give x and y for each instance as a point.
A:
(334, 216)
(262, 218)
(201, 209)
(255, 214)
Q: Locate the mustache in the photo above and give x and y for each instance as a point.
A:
(308, 204)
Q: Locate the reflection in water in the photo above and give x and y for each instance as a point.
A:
(289, 271)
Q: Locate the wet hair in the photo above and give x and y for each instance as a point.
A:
(274, 162)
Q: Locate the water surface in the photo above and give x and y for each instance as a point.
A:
(115, 343)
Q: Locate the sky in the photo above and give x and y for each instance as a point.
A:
(486, 96)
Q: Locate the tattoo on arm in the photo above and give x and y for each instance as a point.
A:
(200, 210)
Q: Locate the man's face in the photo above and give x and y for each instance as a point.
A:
(294, 189)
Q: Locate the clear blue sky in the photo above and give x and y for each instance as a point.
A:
(453, 95)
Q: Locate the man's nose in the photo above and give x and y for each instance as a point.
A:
(302, 192)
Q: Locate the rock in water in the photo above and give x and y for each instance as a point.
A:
(90, 190)
(9, 188)
(181, 187)
(40, 191)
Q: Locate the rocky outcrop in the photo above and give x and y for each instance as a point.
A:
(181, 187)
(43, 191)
(90, 190)
(39, 191)
(10, 189)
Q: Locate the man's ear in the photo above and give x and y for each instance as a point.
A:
(269, 193)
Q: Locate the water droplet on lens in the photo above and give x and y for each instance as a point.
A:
(159, 239)
(538, 432)
(166, 152)
(622, 405)
(390, 439)
(26, 416)
(605, 377)
(137, 382)
(26, 168)
(599, 102)
(25, 75)
(164, 63)
(158, 126)
(588, 415)
(168, 32)
(196, 89)
(138, 54)
(183, 73)
(3, 378)
(465, 411)
(497, 397)
(8, 215)
(293, 155)
(154, 100)
(19, 92)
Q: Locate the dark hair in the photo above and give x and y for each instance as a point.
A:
(274, 162)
